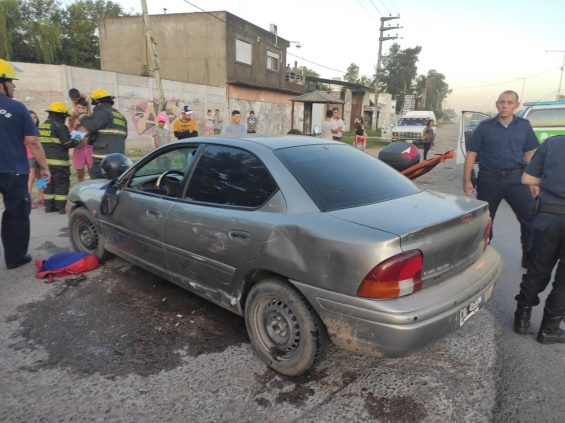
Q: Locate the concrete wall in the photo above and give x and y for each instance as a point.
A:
(273, 110)
(191, 46)
(40, 85)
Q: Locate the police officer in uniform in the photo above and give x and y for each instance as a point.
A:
(17, 130)
(503, 144)
(547, 171)
(107, 129)
(56, 141)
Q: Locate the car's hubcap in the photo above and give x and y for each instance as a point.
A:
(281, 326)
(87, 234)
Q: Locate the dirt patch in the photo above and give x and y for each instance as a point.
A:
(125, 320)
(394, 409)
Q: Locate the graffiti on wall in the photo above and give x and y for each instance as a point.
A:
(144, 114)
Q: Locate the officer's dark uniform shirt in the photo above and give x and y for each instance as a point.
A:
(500, 148)
(548, 165)
(15, 125)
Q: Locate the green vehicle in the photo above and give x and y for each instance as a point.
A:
(547, 118)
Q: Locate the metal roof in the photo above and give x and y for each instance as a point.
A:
(317, 97)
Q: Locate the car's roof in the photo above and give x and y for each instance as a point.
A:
(545, 104)
(273, 142)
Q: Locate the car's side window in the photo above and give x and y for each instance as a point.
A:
(230, 176)
(547, 117)
(164, 173)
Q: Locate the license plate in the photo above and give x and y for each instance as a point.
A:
(470, 310)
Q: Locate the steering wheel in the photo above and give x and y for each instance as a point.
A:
(163, 176)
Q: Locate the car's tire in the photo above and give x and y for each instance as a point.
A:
(85, 235)
(283, 327)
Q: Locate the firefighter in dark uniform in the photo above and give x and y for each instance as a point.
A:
(107, 129)
(503, 145)
(547, 171)
(56, 141)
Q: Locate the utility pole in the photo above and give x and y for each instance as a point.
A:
(558, 96)
(382, 38)
(154, 58)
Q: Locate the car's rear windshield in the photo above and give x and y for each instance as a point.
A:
(337, 176)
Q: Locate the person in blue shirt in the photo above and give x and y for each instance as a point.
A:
(546, 171)
(17, 130)
(503, 144)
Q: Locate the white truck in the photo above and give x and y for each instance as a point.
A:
(411, 126)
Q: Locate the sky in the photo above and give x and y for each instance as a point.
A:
(482, 47)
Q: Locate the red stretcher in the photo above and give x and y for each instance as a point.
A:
(425, 166)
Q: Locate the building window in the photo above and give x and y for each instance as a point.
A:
(243, 52)
(273, 61)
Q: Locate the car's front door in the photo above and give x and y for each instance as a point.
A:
(467, 125)
(229, 209)
(134, 228)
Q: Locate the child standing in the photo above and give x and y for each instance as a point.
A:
(360, 140)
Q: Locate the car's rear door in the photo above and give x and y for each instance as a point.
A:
(229, 209)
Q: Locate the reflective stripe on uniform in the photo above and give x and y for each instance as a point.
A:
(112, 131)
(47, 140)
(58, 197)
(48, 196)
(55, 162)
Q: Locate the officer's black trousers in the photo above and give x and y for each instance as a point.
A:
(15, 219)
(548, 248)
(517, 195)
(57, 190)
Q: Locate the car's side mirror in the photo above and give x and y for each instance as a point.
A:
(110, 198)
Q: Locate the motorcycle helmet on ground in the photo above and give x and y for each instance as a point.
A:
(114, 165)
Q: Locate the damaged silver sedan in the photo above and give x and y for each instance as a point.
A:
(310, 241)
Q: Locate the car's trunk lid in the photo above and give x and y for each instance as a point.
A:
(450, 234)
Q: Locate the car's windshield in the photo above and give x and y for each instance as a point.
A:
(413, 122)
(340, 177)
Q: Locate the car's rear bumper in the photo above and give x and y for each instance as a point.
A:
(399, 326)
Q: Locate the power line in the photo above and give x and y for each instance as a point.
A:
(365, 9)
(376, 8)
(506, 82)
(386, 8)
(251, 35)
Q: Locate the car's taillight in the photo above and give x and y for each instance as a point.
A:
(395, 277)
(486, 238)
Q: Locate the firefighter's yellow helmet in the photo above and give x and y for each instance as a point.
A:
(99, 93)
(58, 107)
(7, 70)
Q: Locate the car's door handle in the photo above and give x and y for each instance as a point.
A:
(154, 214)
(240, 237)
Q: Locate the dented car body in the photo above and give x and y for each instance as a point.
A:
(310, 241)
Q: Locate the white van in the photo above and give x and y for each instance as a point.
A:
(411, 126)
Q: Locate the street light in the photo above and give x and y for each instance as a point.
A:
(562, 66)
(296, 42)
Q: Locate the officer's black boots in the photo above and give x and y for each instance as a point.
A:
(549, 332)
(522, 319)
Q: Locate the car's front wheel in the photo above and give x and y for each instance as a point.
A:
(283, 327)
(85, 235)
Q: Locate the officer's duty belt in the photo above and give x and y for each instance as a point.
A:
(502, 173)
(552, 208)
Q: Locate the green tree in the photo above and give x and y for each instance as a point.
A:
(9, 19)
(35, 31)
(432, 90)
(398, 71)
(352, 73)
(81, 45)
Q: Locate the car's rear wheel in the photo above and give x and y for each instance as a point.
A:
(283, 327)
(85, 235)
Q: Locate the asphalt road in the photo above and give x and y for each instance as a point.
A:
(123, 345)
